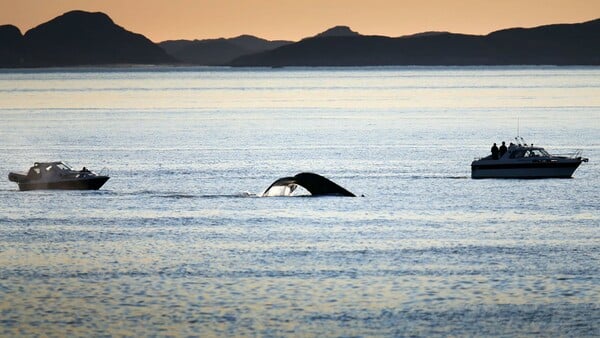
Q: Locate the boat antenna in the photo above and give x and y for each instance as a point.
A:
(518, 134)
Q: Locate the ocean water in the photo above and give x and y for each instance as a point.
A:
(179, 242)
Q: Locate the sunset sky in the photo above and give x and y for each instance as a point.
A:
(161, 20)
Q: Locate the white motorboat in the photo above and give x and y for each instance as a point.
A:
(57, 175)
(523, 160)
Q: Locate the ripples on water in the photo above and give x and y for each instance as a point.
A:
(179, 243)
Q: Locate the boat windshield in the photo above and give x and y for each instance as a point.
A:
(536, 153)
(63, 166)
(54, 166)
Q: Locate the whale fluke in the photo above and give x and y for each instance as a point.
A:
(316, 184)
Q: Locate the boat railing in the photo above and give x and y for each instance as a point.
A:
(520, 141)
(575, 154)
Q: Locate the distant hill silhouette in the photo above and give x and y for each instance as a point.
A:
(80, 38)
(337, 31)
(561, 44)
(215, 52)
(422, 34)
(83, 38)
(12, 46)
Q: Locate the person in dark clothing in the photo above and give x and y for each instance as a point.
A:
(495, 152)
(502, 149)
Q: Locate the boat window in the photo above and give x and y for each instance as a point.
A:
(517, 154)
(61, 166)
(536, 153)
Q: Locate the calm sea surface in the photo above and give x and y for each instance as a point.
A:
(178, 242)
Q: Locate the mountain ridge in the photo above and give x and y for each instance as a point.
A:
(12, 46)
(337, 31)
(557, 44)
(78, 38)
(217, 52)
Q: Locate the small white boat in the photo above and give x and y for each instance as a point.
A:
(526, 161)
(57, 175)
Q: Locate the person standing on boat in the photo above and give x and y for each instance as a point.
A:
(503, 149)
(495, 151)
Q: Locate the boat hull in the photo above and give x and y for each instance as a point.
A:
(549, 169)
(90, 183)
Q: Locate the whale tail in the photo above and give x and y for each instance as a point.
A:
(316, 184)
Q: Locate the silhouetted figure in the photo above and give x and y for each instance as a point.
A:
(85, 170)
(495, 152)
(502, 149)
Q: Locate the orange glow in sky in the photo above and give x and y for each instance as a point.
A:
(161, 20)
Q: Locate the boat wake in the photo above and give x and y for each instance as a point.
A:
(444, 177)
(180, 195)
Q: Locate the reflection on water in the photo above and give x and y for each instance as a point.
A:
(178, 242)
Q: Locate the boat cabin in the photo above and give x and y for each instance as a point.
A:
(515, 152)
(52, 169)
